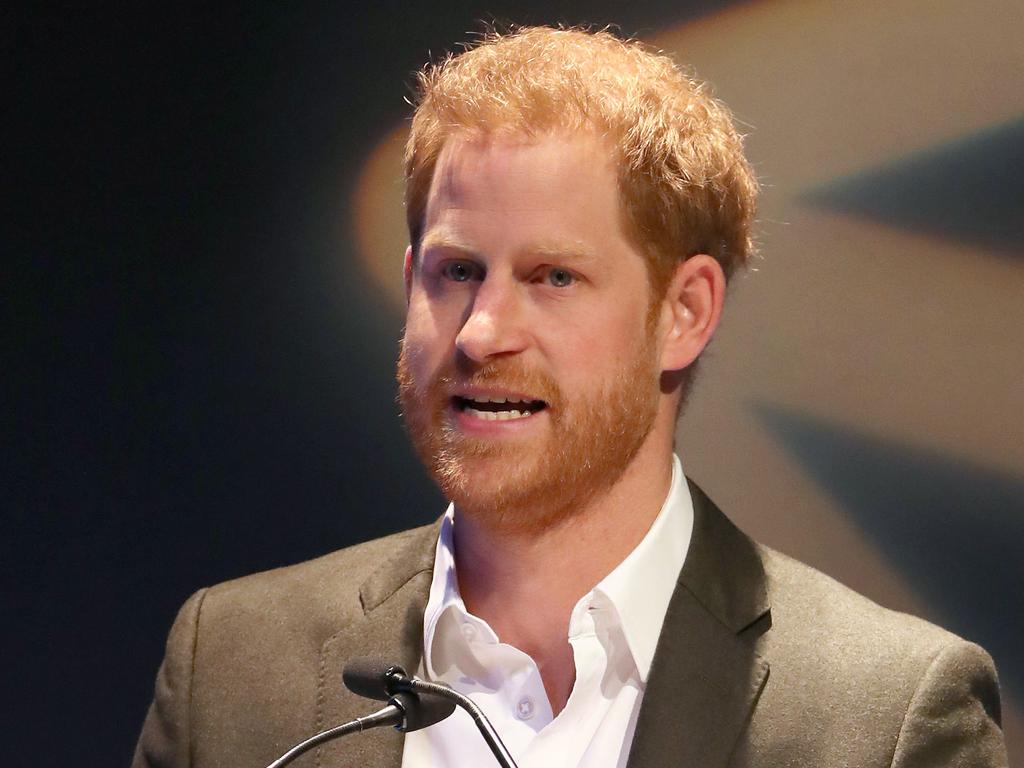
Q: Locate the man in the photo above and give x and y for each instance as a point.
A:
(575, 206)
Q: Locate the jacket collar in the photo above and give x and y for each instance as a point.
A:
(704, 681)
(706, 677)
(723, 567)
(393, 599)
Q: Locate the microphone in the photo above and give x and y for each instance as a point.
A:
(406, 711)
(375, 678)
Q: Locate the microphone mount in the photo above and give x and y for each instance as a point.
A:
(405, 710)
(379, 680)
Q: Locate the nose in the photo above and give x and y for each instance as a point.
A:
(494, 323)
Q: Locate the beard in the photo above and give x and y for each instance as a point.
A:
(530, 484)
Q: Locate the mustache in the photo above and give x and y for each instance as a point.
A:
(460, 372)
(507, 374)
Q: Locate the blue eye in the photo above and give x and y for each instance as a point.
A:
(459, 271)
(560, 278)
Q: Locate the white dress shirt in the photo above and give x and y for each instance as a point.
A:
(613, 631)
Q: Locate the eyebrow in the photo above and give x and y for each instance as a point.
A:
(560, 250)
(446, 242)
(568, 251)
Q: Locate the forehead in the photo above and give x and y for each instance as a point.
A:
(563, 181)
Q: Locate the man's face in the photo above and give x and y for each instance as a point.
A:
(529, 370)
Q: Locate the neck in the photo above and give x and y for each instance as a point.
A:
(525, 584)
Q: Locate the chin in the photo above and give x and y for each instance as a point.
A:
(530, 500)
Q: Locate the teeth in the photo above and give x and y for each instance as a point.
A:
(497, 415)
(498, 400)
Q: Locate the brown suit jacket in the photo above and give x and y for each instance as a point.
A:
(762, 661)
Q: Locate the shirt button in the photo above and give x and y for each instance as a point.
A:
(524, 709)
(468, 631)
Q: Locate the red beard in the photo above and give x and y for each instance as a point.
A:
(530, 484)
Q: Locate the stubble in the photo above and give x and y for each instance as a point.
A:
(532, 484)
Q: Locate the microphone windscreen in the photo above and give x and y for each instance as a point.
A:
(422, 711)
(368, 676)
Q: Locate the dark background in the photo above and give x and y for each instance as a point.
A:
(198, 369)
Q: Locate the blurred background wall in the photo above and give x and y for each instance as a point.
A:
(201, 298)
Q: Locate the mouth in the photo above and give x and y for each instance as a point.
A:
(497, 407)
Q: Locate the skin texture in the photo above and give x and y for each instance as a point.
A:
(527, 286)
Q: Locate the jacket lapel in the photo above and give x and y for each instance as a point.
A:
(391, 628)
(706, 677)
(703, 683)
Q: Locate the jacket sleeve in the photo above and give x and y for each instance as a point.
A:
(954, 716)
(165, 738)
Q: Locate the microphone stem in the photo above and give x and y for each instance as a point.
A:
(498, 748)
(389, 715)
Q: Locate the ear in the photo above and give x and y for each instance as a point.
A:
(691, 310)
(407, 270)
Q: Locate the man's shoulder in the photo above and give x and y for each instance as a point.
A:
(819, 624)
(879, 685)
(800, 592)
(356, 559)
(807, 611)
(246, 659)
(809, 614)
(332, 586)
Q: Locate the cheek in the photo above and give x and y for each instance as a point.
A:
(605, 336)
(429, 321)
(416, 355)
(424, 349)
(600, 354)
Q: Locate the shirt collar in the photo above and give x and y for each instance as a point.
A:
(444, 588)
(639, 588)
